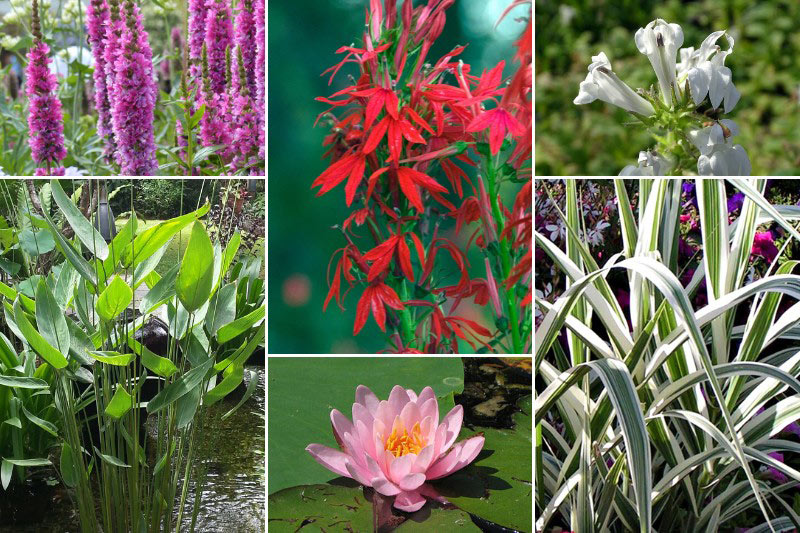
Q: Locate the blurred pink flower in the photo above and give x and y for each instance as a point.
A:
(395, 446)
(764, 246)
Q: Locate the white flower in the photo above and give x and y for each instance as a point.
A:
(718, 155)
(74, 171)
(602, 84)
(724, 160)
(2, 173)
(660, 41)
(556, 230)
(707, 74)
(650, 164)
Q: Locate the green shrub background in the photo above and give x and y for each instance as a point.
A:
(598, 139)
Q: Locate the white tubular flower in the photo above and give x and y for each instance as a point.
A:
(707, 73)
(660, 41)
(650, 164)
(718, 155)
(602, 84)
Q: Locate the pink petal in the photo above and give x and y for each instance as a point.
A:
(333, 460)
(411, 395)
(411, 481)
(461, 455)
(452, 424)
(401, 467)
(341, 424)
(409, 501)
(362, 414)
(398, 398)
(424, 459)
(410, 415)
(429, 407)
(367, 398)
(359, 473)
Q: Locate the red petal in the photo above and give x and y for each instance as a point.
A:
(409, 187)
(395, 141)
(373, 180)
(497, 132)
(419, 246)
(390, 297)
(378, 311)
(425, 181)
(373, 108)
(362, 311)
(481, 122)
(376, 135)
(410, 133)
(384, 248)
(334, 288)
(391, 103)
(355, 179)
(405, 259)
(419, 120)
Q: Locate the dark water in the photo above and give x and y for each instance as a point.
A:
(232, 450)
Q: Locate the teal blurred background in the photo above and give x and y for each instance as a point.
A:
(594, 139)
(303, 38)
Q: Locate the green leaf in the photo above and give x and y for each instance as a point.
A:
(240, 325)
(76, 260)
(44, 424)
(69, 473)
(17, 382)
(180, 387)
(222, 309)
(497, 486)
(120, 403)
(150, 240)
(114, 299)
(113, 358)
(50, 319)
(327, 383)
(431, 518)
(37, 243)
(162, 291)
(161, 366)
(28, 462)
(233, 377)
(6, 469)
(110, 459)
(55, 358)
(14, 422)
(84, 230)
(195, 277)
(330, 507)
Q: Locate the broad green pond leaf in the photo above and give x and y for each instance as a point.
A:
(497, 486)
(114, 299)
(327, 507)
(180, 387)
(303, 391)
(50, 318)
(161, 366)
(240, 325)
(431, 518)
(84, 230)
(150, 240)
(120, 403)
(37, 342)
(112, 358)
(162, 291)
(19, 382)
(222, 309)
(36, 243)
(196, 274)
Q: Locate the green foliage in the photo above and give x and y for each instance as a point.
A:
(598, 139)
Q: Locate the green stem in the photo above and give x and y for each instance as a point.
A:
(406, 322)
(509, 296)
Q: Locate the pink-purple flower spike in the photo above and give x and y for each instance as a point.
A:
(219, 35)
(45, 121)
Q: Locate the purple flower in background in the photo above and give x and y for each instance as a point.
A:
(690, 193)
(684, 248)
(45, 121)
(774, 473)
(735, 202)
(113, 34)
(219, 35)
(246, 40)
(764, 246)
(245, 123)
(97, 22)
(197, 32)
(134, 99)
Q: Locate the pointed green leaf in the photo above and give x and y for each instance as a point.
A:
(84, 230)
(195, 277)
(55, 358)
(114, 299)
(120, 403)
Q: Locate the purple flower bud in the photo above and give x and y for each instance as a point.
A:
(197, 33)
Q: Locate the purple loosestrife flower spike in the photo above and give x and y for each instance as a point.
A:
(219, 35)
(111, 50)
(245, 136)
(45, 122)
(198, 10)
(135, 93)
(261, 63)
(98, 22)
(246, 39)
(215, 124)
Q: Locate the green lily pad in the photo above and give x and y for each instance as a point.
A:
(431, 518)
(303, 391)
(320, 508)
(345, 506)
(497, 485)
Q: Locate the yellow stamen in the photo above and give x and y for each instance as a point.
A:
(404, 444)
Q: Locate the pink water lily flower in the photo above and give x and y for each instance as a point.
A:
(395, 446)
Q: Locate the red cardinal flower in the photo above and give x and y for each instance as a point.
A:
(500, 122)
(382, 255)
(350, 167)
(409, 178)
(374, 298)
(378, 98)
